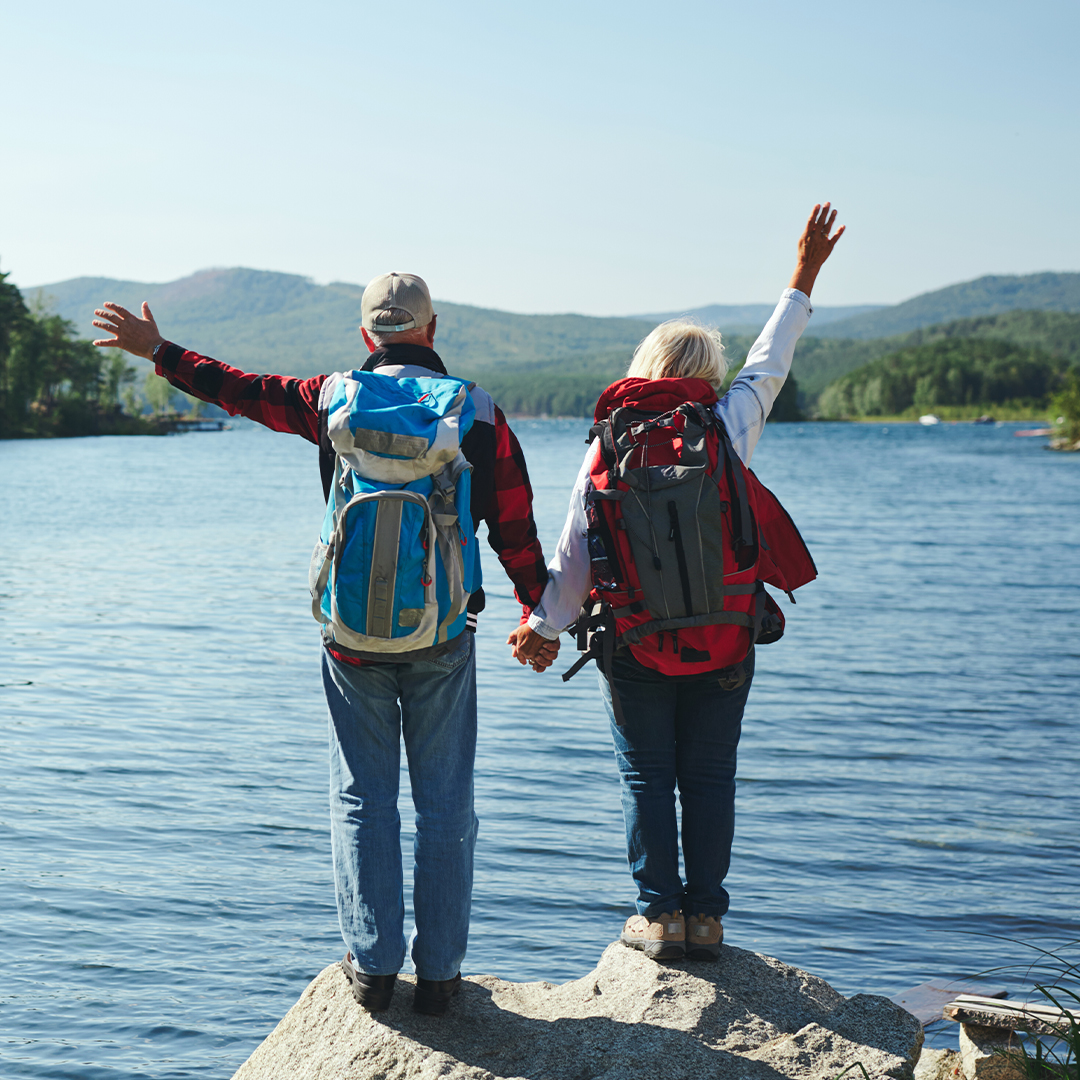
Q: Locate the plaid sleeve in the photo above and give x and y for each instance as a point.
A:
(511, 527)
(281, 402)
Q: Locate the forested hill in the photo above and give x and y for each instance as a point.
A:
(820, 360)
(264, 321)
(286, 323)
(953, 377)
(984, 296)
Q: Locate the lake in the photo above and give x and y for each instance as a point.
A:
(908, 797)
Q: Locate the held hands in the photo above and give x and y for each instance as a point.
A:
(815, 246)
(529, 647)
(134, 335)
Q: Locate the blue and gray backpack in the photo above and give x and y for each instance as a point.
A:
(397, 558)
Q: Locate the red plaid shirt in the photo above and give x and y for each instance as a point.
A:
(502, 495)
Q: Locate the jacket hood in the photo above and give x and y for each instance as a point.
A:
(653, 395)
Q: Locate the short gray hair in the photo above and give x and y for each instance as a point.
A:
(681, 349)
(391, 316)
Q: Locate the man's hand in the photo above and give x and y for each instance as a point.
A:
(529, 647)
(815, 246)
(134, 335)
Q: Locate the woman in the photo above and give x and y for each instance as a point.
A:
(675, 688)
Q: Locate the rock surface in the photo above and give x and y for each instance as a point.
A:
(983, 1054)
(938, 1065)
(745, 1016)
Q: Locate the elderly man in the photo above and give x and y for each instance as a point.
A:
(428, 696)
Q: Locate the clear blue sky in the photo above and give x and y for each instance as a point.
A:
(605, 158)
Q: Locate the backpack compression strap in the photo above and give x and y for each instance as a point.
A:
(598, 627)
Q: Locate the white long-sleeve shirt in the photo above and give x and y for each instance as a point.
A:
(743, 410)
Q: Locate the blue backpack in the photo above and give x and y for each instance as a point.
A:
(397, 558)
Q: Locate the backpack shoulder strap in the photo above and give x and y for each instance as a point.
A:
(743, 528)
(602, 431)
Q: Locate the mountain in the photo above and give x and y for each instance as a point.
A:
(264, 321)
(984, 296)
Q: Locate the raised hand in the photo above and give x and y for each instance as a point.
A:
(134, 335)
(815, 246)
(529, 647)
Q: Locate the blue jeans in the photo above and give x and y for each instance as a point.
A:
(683, 733)
(433, 704)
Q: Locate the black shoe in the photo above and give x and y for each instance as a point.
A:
(372, 991)
(432, 996)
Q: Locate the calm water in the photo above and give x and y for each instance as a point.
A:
(908, 771)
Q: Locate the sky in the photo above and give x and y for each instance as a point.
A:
(603, 158)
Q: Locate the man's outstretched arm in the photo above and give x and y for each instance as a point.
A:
(512, 530)
(280, 402)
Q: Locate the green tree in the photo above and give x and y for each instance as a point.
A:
(1065, 409)
(53, 383)
(13, 317)
(158, 393)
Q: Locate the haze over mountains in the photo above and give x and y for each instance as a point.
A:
(750, 318)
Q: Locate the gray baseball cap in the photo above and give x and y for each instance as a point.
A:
(405, 291)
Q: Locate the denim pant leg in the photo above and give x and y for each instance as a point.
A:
(365, 831)
(708, 723)
(438, 706)
(645, 755)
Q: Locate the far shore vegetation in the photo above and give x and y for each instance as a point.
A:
(965, 376)
(1011, 365)
(53, 383)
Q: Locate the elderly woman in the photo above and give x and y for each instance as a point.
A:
(673, 574)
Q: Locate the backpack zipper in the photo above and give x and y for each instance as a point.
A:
(680, 556)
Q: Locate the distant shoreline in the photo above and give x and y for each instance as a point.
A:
(915, 420)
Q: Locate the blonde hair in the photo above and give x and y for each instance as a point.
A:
(681, 349)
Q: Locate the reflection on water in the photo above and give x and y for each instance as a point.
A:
(907, 771)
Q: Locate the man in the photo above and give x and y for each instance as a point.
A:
(427, 696)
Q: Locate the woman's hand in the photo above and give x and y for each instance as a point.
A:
(815, 246)
(529, 647)
(137, 336)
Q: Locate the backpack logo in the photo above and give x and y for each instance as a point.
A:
(397, 558)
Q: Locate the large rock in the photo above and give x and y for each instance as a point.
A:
(745, 1016)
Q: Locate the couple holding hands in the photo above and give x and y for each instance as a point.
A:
(660, 567)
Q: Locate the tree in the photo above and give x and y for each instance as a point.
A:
(1065, 410)
(51, 381)
(13, 316)
(158, 392)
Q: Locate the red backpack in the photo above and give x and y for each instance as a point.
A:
(682, 536)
